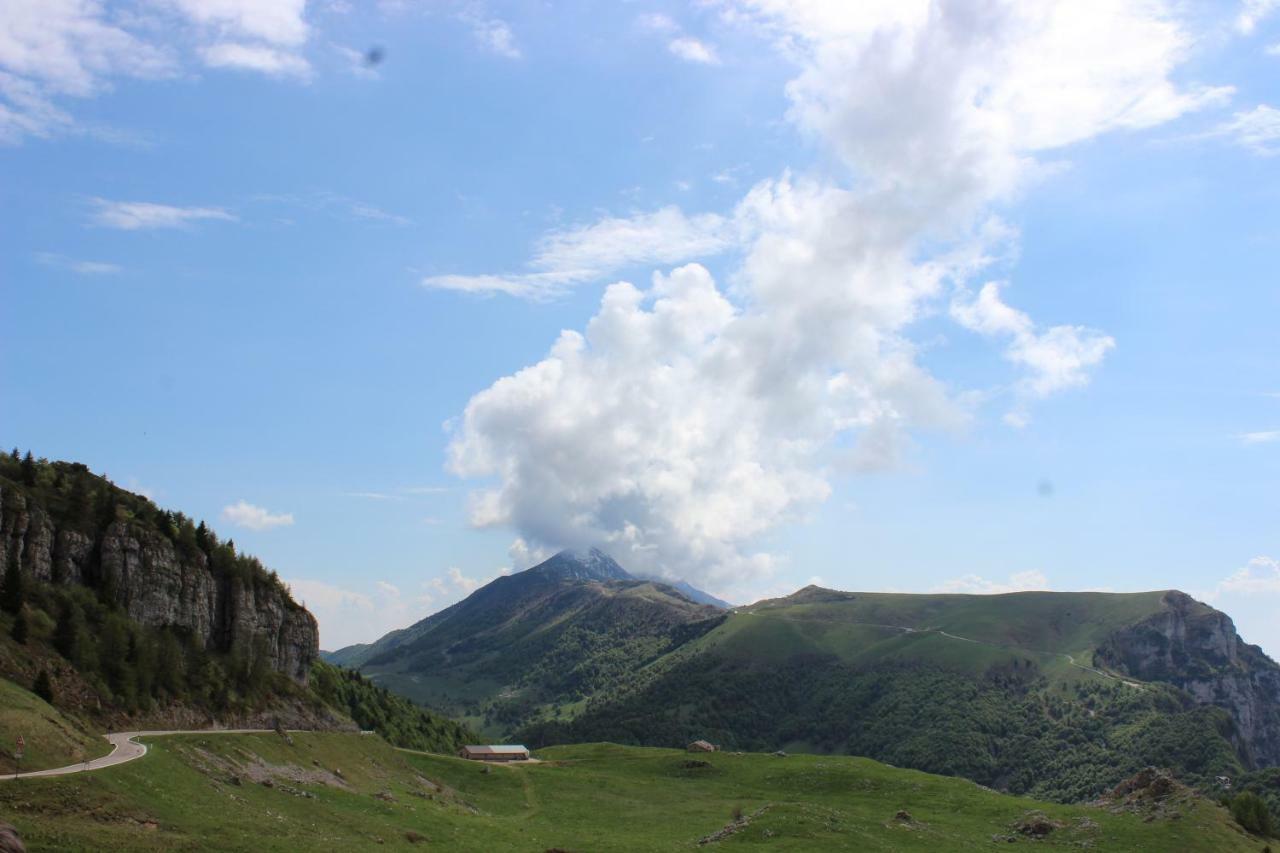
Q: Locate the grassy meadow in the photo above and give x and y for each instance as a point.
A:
(347, 791)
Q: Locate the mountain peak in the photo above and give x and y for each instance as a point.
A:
(593, 564)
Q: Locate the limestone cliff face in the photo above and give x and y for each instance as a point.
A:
(158, 586)
(1196, 648)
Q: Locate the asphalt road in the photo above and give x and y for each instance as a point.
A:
(125, 749)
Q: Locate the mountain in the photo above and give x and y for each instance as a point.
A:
(1059, 695)
(694, 594)
(122, 614)
(535, 642)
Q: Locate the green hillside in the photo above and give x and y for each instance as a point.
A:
(535, 644)
(1004, 690)
(347, 792)
(53, 739)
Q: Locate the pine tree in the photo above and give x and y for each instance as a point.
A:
(20, 627)
(15, 455)
(43, 687)
(66, 637)
(12, 592)
(29, 469)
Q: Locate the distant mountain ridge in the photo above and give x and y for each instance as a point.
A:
(555, 633)
(988, 687)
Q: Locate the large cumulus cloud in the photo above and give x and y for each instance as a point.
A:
(691, 417)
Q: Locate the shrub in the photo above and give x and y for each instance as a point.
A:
(1251, 812)
(43, 687)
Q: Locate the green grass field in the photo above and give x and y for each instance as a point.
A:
(345, 792)
(52, 738)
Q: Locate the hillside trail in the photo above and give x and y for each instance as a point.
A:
(124, 750)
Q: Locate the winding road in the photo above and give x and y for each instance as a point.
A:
(124, 750)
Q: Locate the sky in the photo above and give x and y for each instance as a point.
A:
(913, 296)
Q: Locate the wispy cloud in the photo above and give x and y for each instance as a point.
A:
(657, 22)
(256, 57)
(1252, 13)
(492, 32)
(681, 45)
(694, 50)
(359, 63)
(397, 494)
(1258, 130)
(978, 585)
(1264, 437)
(335, 204)
(1053, 359)
(51, 50)
(52, 259)
(137, 215)
(244, 514)
(572, 256)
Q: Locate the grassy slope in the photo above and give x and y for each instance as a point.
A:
(1046, 624)
(523, 639)
(588, 797)
(53, 740)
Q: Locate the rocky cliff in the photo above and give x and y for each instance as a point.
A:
(1196, 648)
(156, 582)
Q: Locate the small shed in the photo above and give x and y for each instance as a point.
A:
(702, 746)
(495, 752)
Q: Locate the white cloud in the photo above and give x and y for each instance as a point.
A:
(245, 514)
(1257, 130)
(1054, 359)
(691, 49)
(357, 62)
(135, 215)
(461, 582)
(349, 616)
(571, 256)
(255, 57)
(1252, 12)
(524, 557)
(1264, 437)
(1251, 597)
(493, 33)
(274, 21)
(53, 49)
(657, 22)
(78, 266)
(978, 585)
(425, 490)
(683, 424)
(1274, 50)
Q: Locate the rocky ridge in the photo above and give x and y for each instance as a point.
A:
(156, 585)
(1196, 648)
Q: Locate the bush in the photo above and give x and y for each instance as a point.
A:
(1251, 812)
(43, 687)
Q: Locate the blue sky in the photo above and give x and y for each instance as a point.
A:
(944, 302)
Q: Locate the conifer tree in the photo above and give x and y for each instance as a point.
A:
(29, 469)
(20, 627)
(43, 686)
(12, 592)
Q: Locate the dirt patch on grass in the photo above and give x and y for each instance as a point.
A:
(258, 771)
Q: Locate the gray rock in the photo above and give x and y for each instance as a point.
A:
(157, 586)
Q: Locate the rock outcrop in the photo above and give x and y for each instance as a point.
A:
(1195, 647)
(157, 585)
